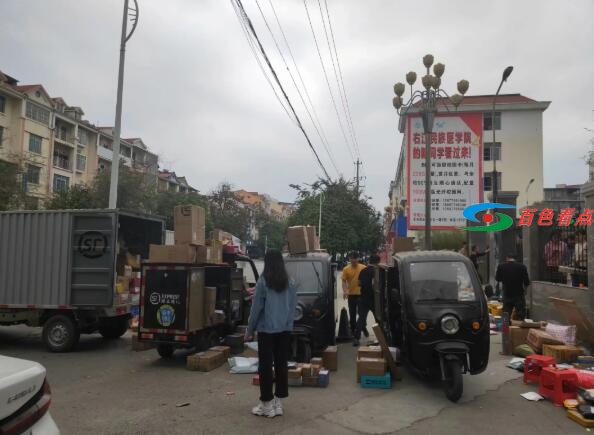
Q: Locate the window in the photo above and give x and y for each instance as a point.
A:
(441, 281)
(488, 181)
(491, 152)
(61, 183)
(81, 162)
(2, 104)
(487, 121)
(33, 173)
(61, 159)
(37, 113)
(35, 143)
(83, 137)
(308, 276)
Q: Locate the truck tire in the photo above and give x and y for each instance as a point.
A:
(114, 328)
(165, 350)
(60, 333)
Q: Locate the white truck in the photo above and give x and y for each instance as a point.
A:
(59, 270)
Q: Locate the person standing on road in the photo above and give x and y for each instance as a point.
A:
(352, 291)
(514, 277)
(367, 301)
(273, 308)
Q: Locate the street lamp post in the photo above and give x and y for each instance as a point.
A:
(528, 187)
(132, 14)
(504, 77)
(428, 108)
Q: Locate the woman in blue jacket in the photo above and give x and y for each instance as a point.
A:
(271, 316)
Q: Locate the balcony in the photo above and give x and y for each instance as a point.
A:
(62, 162)
(107, 154)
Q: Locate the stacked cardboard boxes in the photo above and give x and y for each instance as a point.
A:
(370, 362)
(312, 374)
(303, 239)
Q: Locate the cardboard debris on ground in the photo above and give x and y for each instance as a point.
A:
(575, 316)
(379, 334)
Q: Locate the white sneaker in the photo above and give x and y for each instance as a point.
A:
(278, 406)
(265, 409)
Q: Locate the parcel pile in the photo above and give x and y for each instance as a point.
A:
(303, 239)
(372, 367)
(191, 246)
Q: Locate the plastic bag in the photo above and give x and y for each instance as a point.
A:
(566, 334)
(240, 365)
(523, 351)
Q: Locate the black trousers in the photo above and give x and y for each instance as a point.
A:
(364, 308)
(353, 301)
(519, 303)
(273, 348)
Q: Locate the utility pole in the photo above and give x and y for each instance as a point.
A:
(358, 163)
(132, 15)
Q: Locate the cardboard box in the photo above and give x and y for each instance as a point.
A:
(369, 352)
(306, 370)
(310, 381)
(196, 299)
(222, 236)
(203, 254)
(298, 240)
(371, 367)
(524, 324)
(133, 260)
(172, 254)
(189, 224)
(330, 358)
(122, 285)
(562, 353)
(204, 361)
(315, 369)
(218, 317)
(210, 303)
(295, 373)
(317, 361)
(518, 336)
(225, 350)
(537, 338)
(403, 244)
(311, 237)
(216, 252)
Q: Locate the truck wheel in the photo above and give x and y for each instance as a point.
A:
(165, 350)
(114, 328)
(60, 333)
(453, 384)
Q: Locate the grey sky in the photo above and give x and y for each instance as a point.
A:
(196, 96)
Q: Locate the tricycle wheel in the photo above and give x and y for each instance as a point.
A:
(165, 350)
(114, 328)
(453, 384)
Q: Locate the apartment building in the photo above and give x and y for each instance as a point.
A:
(517, 151)
(54, 146)
(276, 209)
(168, 181)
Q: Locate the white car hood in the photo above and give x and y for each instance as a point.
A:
(20, 380)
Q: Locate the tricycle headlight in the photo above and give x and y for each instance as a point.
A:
(450, 325)
(298, 313)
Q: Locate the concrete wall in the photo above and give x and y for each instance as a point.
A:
(540, 307)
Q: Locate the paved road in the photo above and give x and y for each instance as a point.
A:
(105, 388)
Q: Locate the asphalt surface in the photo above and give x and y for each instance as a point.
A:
(106, 388)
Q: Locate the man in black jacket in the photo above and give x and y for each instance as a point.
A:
(514, 277)
(367, 301)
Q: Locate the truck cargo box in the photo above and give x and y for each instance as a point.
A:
(68, 258)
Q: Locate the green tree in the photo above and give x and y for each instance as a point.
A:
(271, 232)
(134, 191)
(450, 240)
(12, 195)
(228, 214)
(78, 196)
(349, 222)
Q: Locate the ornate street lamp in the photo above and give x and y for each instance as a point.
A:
(426, 101)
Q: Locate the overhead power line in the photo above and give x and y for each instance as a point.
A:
(328, 81)
(248, 21)
(298, 90)
(313, 108)
(356, 141)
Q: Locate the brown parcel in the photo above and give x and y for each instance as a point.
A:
(537, 338)
(330, 358)
(172, 254)
(371, 367)
(306, 370)
(298, 240)
(210, 302)
(518, 336)
(189, 224)
(369, 352)
(205, 361)
(295, 373)
(311, 237)
(562, 353)
(310, 381)
(317, 361)
(225, 350)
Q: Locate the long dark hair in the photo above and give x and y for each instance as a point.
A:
(275, 273)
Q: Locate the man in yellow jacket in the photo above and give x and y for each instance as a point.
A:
(352, 291)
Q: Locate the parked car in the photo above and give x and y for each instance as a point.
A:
(25, 398)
